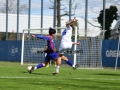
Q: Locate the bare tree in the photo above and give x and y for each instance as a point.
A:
(12, 7)
(62, 9)
(75, 3)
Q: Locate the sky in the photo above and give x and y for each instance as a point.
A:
(94, 7)
(80, 10)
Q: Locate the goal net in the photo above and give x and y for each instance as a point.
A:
(90, 55)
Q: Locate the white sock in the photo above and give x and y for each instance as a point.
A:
(35, 68)
(73, 65)
(57, 68)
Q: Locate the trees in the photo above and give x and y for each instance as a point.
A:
(111, 14)
(108, 3)
(62, 6)
(12, 7)
(63, 10)
(115, 3)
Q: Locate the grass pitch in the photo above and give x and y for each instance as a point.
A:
(14, 76)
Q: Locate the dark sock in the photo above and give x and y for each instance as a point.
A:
(39, 65)
(69, 62)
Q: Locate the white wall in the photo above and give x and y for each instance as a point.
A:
(35, 23)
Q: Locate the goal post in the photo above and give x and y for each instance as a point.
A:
(75, 46)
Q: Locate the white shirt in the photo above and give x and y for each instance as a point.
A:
(66, 34)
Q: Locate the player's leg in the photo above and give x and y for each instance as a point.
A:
(61, 48)
(46, 61)
(62, 57)
(68, 45)
(69, 62)
(48, 64)
(57, 65)
(37, 67)
(63, 45)
(55, 57)
(40, 65)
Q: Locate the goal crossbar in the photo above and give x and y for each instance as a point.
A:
(44, 29)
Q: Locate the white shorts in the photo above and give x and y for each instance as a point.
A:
(65, 45)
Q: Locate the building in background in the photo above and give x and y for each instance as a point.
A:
(35, 22)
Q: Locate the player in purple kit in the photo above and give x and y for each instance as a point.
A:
(51, 54)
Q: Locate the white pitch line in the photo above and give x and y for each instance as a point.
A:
(91, 68)
(19, 77)
(98, 79)
(107, 79)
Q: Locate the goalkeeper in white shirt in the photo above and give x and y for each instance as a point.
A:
(66, 43)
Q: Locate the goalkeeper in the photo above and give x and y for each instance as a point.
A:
(51, 54)
(66, 43)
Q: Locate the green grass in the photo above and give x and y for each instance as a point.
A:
(14, 76)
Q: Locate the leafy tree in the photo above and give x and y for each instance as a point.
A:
(110, 15)
(3, 36)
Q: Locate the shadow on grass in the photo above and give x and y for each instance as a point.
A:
(108, 74)
(84, 84)
(37, 73)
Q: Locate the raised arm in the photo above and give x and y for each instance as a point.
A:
(71, 22)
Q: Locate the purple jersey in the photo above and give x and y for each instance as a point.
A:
(50, 43)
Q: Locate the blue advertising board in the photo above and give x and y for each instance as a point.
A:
(109, 53)
(10, 50)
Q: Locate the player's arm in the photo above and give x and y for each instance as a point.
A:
(71, 22)
(41, 37)
(76, 43)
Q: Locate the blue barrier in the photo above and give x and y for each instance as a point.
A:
(10, 50)
(109, 52)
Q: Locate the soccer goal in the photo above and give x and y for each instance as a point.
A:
(87, 55)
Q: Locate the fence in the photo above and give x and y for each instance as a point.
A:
(11, 51)
(17, 15)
